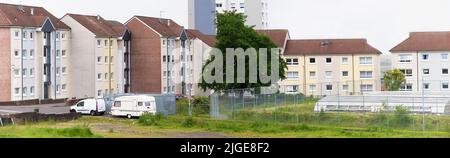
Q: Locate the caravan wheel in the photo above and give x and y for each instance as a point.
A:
(129, 116)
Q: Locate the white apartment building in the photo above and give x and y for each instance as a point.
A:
(34, 50)
(256, 11)
(424, 59)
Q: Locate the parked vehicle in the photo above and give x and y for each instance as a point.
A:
(133, 106)
(89, 106)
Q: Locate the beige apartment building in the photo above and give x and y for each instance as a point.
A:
(331, 67)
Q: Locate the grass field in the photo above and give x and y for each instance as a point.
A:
(201, 126)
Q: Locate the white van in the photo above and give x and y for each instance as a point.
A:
(133, 106)
(90, 106)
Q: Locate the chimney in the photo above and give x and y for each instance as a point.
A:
(168, 22)
(32, 11)
(98, 17)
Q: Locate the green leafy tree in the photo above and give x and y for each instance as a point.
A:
(393, 79)
(233, 33)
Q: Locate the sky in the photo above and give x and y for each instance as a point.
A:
(384, 23)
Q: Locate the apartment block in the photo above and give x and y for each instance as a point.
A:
(331, 67)
(34, 50)
(100, 56)
(202, 16)
(424, 59)
(257, 11)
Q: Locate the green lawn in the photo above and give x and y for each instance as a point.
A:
(284, 121)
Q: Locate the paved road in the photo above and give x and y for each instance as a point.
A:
(46, 109)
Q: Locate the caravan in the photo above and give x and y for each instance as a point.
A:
(133, 106)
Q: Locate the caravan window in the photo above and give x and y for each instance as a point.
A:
(147, 103)
(140, 104)
(117, 104)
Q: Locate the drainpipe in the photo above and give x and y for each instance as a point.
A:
(109, 64)
(304, 74)
(417, 57)
(353, 72)
(54, 67)
(21, 62)
(167, 61)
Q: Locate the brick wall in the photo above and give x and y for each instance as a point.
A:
(145, 58)
(5, 64)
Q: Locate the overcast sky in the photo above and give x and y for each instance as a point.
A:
(384, 23)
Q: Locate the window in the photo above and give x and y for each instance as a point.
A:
(16, 91)
(426, 86)
(106, 43)
(163, 42)
(366, 88)
(233, 5)
(106, 76)
(111, 59)
(16, 72)
(106, 60)
(63, 53)
(99, 76)
(111, 75)
(99, 93)
(444, 56)
(32, 53)
(64, 87)
(63, 35)
(329, 60)
(31, 35)
(292, 89)
(312, 88)
(24, 35)
(425, 57)
(366, 74)
(293, 61)
(405, 58)
(63, 70)
(344, 73)
(292, 75)
(24, 91)
(312, 60)
(32, 72)
(312, 74)
(173, 58)
(58, 88)
(99, 60)
(444, 86)
(406, 87)
(117, 104)
(445, 71)
(344, 60)
(140, 104)
(329, 87)
(164, 58)
(219, 5)
(58, 71)
(328, 74)
(365, 60)
(32, 90)
(16, 34)
(58, 53)
(242, 5)
(24, 53)
(99, 43)
(111, 43)
(168, 58)
(16, 53)
(345, 87)
(407, 72)
(426, 71)
(57, 36)
(24, 72)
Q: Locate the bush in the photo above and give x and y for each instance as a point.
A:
(188, 122)
(402, 117)
(150, 119)
(201, 105)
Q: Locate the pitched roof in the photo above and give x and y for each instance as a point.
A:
(99, 26)
(278, 36)
(329, 46)
(208, 39)
(165, 27)
(20, 15)
(425, 41)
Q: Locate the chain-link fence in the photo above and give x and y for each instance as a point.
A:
(409, 111)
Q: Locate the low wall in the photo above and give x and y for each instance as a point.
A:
(33, 117)
(32, 102)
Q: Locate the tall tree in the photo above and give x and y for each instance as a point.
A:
(393, 79)
(233, 33)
